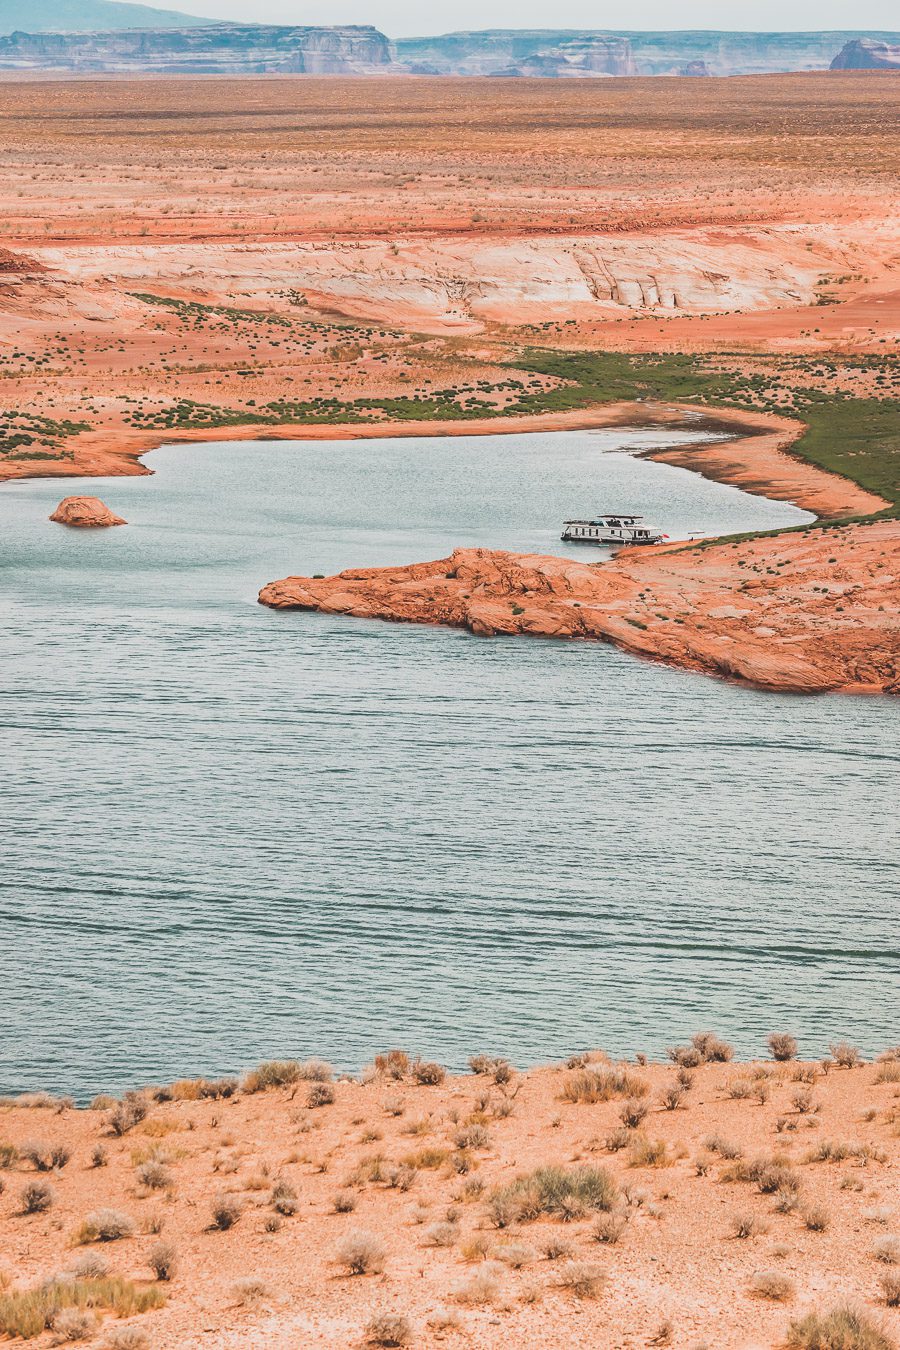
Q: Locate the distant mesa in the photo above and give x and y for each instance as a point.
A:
(85, 513)
(212, 49)
(868, 54)
(104, 36)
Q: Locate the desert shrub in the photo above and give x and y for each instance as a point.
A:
(162, 1259)
(744, 1224)
(154, 1175)
(846, 1056)
(472, 1136)
(804, 1103)
(36, 1197)
(426, 1158)
(131, 1110)
(581, 1278)
(503, 1072)
(480, 1289)
(284, 1198)
(482, 1063)
(105, 1225)
(320, 1094)
(556, 1248)
(514, 1254)
(361, 1254)
(226, 1211)
(45, 1157)
(739, 1089)
(816, 1218)
(685, 1078)
(686, 1056)
(888, 1072)
(844, 1328)
(887, 1250)
(91, 1266)
(773, 1174)
(389, 1329)
(890, 1288)
(782, 1045)
(602, 1085)
(249, 1293)
(442, 1234)
(73, 1324)
(99, 1156)
(713, 1049)
(672, 1097)
(772, 1285)
(428, 1073)
(608, 1228)
(28, 1313)
(127, 1338)
(619, 1138)
(644, 1152)
(9, 1154)
(103, 1102)
(393, 1064)
(553, 1190)
(716, 1143)
(633, 1112)
(272, 1073)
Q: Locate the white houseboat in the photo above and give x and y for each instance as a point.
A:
(615, 529)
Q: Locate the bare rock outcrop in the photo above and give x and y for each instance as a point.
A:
(723, 610)
(868, 54)
(85, 513)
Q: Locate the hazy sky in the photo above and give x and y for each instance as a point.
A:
(401, 18)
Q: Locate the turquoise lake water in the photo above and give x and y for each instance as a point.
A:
(230, 833)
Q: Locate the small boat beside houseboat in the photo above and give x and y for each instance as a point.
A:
(616, 530)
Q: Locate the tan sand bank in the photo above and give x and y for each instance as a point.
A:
(596, 1205)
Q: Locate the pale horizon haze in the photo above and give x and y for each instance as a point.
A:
(407, 18)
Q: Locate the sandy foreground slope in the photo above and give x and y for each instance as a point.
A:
(733, 1205)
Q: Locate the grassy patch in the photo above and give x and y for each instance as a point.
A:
(27, 1313)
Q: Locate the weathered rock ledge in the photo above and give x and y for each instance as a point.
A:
(805, 613)
(86, 513)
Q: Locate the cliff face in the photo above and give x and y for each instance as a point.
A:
(212, 49)
(566, 52)
(867, 54)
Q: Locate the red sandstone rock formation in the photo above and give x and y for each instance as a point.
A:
(754, 612)
(85, 512)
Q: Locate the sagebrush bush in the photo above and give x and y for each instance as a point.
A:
(154, 1175)
(361, 1253)
(816, 1218)
(782, 1045)
(581, 1278)
(91, 1266)
(272, 1073)
(846, 1056)
(428, 1073)
(36, 1197)
(563, 1192)
(127, 1338)
(442, 1234)
(105, 1225)
(633, 1112)
(131, 1110)
(481, 1289)
(890, 1288)
(162, 1259)
(284, 1198)
(320, 1094)
(745, 1224)
(73, 1324)
(608, 1228)
(391, 1329)
(45, 1157)
(887, 1250)
(772, 1285)
(226, 1211)
(844, 1328)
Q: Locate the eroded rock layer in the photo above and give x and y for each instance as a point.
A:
(86, 513)
(794, 613)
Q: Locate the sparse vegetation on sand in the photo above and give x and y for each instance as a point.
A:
(530, 1214)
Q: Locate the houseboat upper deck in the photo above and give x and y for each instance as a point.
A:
(615, 529)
